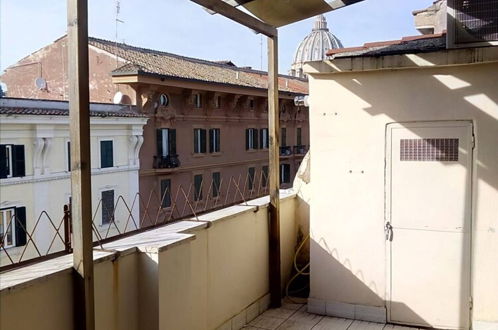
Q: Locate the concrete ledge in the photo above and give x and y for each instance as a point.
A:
(349, 311)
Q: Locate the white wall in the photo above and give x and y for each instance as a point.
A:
(186, 275)
(348, 116)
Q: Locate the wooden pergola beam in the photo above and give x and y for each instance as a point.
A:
(238, 16)
(81, 188)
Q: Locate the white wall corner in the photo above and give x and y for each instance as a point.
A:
(484, 325)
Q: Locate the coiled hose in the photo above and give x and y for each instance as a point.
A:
(299, 271)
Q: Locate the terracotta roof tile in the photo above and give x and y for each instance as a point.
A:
(141, 60)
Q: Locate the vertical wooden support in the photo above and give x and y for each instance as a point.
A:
(81, 190)
(274, 165)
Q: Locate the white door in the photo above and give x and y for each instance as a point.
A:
(428, 223)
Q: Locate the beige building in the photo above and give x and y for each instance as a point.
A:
(35, 172)
(404, 184)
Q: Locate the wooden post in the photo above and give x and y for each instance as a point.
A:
(274, 165)
(81, 190)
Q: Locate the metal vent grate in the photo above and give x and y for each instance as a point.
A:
(443, 150)
(478, 20)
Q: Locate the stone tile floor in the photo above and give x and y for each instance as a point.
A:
(292, 316)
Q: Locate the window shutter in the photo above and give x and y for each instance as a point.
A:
(18, 161)
(106, 154)
(203, 141)
(283, 137)
(299, 138)
(20, 226)
(196, 143)
(218, 140)
(261, 139)
(255, 138)
(211, 140)
(247, 139)
(159, 142)
(172, 141)
(68, 155)
(3, 161)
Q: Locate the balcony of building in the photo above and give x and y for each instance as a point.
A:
(169, 161)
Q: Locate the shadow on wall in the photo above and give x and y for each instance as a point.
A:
(354, 281)
(431, 94)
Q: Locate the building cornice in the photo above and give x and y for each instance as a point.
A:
(442, 58)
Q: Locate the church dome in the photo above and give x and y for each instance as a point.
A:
(314, 46)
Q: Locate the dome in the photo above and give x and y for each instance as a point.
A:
(314, 46)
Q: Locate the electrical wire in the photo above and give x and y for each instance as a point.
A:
(299, 271)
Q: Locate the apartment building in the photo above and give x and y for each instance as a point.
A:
(207, 134)
(35, 169)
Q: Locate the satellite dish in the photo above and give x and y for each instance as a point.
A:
(118, 97)
(40, 83)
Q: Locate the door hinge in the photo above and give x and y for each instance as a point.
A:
(473, 141)
(471, 303)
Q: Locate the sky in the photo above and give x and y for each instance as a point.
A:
(185, 28)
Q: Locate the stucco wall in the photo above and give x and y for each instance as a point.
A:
(46, 187)
(177, 278)
(348, 117)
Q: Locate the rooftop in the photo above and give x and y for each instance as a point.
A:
(168, 65)
(18, 106)
(406, 45)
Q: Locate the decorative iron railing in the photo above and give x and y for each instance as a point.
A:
(48, 236)
(170, 161)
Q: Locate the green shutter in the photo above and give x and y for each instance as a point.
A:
(20, 226)
(18, 161)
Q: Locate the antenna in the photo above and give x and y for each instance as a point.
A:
(117, 20)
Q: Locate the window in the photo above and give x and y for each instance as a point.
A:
(217, 102)
(106, 154)
(107, 206)
(214, 140)
(199, 140)
(197, 100)
(198, 187)
(7, 227)
(299, 141)
(165, 193)
(284, 173)
(12, 161)
(264, 138)
(251, 138)
(283, 137)
(251, 103)
(12, 226)
(164, 100)
(216, 184)
(68, 151)
(250, 178)
(264, 178)
(166, 142)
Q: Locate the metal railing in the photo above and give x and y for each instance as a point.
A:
(170, 161)
(145, 210)
(285, 151)
(300, 149)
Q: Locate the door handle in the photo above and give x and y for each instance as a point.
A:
(388, 229)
